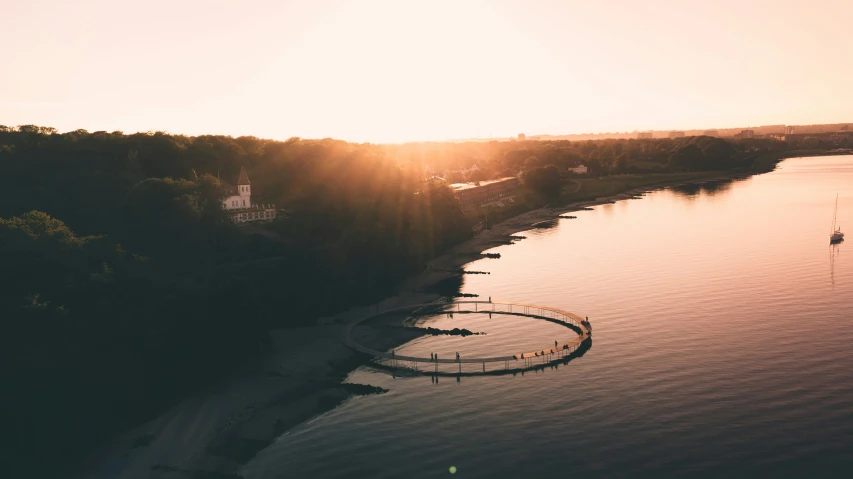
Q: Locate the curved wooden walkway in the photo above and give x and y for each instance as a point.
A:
(465, 307)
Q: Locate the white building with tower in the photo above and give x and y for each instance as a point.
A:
(238, 202)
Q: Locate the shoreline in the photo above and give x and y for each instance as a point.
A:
(217, 431)
(470, 250)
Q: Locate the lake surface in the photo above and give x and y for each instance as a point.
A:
(723, 346)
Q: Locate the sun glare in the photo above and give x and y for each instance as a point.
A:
(395, 71)
(398, 71)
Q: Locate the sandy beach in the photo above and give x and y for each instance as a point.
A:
(211, 434)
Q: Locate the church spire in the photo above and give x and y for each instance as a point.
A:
(244, 178)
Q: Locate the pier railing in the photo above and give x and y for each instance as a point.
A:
(466, 307)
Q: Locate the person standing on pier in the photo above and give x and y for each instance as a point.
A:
(457, 357)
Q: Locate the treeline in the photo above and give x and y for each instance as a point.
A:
(126, 285)
(454, 161)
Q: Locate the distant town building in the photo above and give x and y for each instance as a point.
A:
(789, 130)
(579, 170)
(521, 136)
(747, 134)
(645, 135)
(238, 202)
(484, 191)
(676, 134)
(711, 133)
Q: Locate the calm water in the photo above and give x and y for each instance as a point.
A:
(722, 346)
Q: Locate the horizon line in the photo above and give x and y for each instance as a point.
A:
(529, 136)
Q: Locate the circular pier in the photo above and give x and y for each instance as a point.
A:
(509, 361)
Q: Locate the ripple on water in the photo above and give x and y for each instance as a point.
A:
(721, 346)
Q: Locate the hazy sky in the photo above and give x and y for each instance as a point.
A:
(396, 70)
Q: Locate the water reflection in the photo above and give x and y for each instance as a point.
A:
(699, 370)
(711, 188)
(834, 250)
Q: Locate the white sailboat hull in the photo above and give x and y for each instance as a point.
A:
(836, 236)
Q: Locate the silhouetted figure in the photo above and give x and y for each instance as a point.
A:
(555, 343)
(457, 357)
(490, 299)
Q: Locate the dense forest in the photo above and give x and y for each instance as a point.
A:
(125, 285)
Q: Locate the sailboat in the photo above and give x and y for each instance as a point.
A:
(836, 236)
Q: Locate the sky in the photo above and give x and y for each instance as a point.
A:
(397, 70)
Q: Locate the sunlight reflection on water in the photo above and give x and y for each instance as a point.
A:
(722, 333)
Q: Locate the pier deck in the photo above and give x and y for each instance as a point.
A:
(467, 307)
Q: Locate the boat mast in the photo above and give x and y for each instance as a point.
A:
(835, 213)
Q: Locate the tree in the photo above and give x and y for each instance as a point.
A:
(545, 181)
(594, 167)
(717, 152)
(531, 162)
(688, 157)
(619, 164)
(515, 158)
